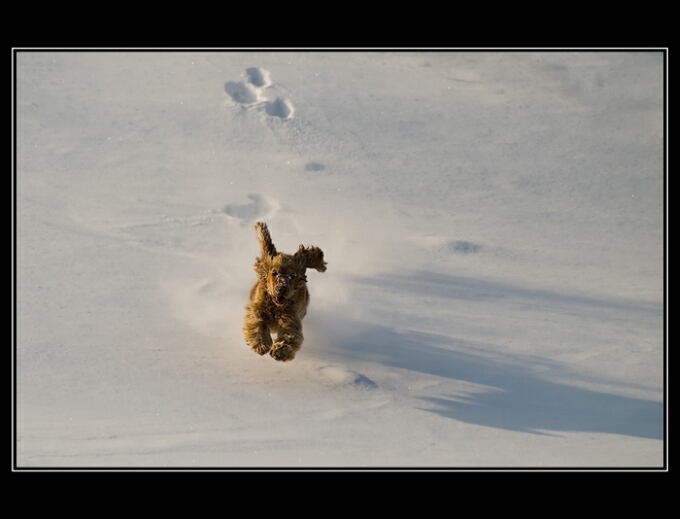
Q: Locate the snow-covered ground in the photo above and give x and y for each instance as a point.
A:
(493, 224)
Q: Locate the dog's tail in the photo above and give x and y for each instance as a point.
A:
(267, 248)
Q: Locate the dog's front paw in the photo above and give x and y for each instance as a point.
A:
(282, 351)
(262, 349)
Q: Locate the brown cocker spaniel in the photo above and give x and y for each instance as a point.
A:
(279, 299)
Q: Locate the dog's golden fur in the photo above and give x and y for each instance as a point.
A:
(279, 299)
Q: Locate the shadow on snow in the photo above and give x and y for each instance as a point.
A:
(518, 399)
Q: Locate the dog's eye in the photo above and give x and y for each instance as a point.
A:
(275, 272)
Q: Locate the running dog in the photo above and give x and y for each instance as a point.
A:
(279, 299)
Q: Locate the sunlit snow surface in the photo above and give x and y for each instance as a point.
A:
(493, 224)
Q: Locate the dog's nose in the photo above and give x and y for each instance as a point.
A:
(282, 288)
(284, 279)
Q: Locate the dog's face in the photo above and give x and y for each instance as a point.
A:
(283, 277)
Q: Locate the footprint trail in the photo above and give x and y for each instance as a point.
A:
(251, 93)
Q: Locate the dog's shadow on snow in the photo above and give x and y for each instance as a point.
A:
(518, 399)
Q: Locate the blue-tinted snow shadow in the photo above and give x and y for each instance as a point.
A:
(518, 399)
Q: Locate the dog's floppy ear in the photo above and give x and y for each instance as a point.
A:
(267, 249)
(310, 258)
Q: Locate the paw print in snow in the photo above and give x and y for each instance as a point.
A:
(250, 93)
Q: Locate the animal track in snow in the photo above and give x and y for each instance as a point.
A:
(242, 93)
(446, 245)
(258, 77)
(258, 207)
(250, 93)
(314, 166)
(464, 247)
(279, 108)
(340, 375)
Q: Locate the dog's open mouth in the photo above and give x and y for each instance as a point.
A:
(279, 300)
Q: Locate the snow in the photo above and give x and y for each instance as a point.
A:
(493, 224)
